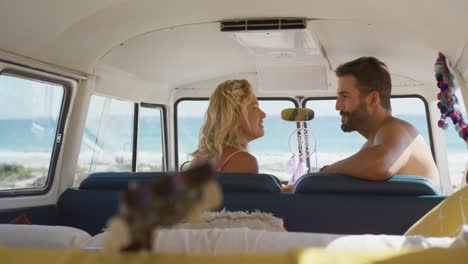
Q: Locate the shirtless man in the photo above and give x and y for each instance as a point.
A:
(393, 146)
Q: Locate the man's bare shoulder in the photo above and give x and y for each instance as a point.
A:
(394, 130)
(393, 124)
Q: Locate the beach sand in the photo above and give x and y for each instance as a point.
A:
(274, 163)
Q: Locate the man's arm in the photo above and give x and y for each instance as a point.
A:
(385, 158)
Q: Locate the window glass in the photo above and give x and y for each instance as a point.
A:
(457, 152)
(29, 116)
(150, 139)
(190, 117)
(457, 155)
(107, 139)
(333, 144)
(272, 151)
(412, 110)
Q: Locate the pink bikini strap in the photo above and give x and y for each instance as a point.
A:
(227, 160)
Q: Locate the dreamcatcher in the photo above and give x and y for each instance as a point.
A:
(302, 143)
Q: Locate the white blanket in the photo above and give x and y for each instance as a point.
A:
(246, 241)
(222, 241)
(225, 219)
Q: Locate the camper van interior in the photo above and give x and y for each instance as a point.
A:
(97, 95)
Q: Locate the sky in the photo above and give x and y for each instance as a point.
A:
(21, 98)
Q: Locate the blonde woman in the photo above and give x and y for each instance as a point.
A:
(232, 120)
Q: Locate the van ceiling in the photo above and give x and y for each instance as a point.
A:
(84, 35)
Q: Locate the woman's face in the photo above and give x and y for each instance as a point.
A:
(252, 128)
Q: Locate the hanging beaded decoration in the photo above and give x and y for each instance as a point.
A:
(448, 101)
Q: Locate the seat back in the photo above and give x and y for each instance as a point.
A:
(249, 182)
(88, 210)
(336, 183)
(344, 207)
(115, 180)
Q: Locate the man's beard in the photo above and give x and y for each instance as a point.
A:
(354, 119)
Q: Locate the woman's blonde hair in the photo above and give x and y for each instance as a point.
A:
(228, 107)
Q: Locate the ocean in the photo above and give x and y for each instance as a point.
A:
(36, 136)
(327, 131)
(28, 143)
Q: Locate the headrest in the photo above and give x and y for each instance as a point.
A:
(336, 183)
(249, 182)
(115, 180)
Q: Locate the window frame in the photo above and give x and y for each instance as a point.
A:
(176, 104)
(426, 108)
(136, 121)
(61, 123)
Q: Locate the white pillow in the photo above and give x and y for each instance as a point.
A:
(38, 236)
(387, 242)
(96, 241)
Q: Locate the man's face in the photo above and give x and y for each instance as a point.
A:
(350, 104)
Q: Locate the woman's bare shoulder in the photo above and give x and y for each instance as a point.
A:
(199, 161)
(242, 162)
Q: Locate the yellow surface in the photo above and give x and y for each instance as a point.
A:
(444, 220)
(430, 256)
(426, 256)
(321, 256)
(36, 256)
(304, 256)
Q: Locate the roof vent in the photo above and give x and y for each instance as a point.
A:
(263, 24)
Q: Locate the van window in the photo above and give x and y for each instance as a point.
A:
(333, 144)
(109, 136)
(457, 156)
(29, 119)
(271, 150)
(150, 139)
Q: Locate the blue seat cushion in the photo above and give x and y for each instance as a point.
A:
(336, 183)
(249, 182)
(88, 210)
(116, 180)
(230, 182)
